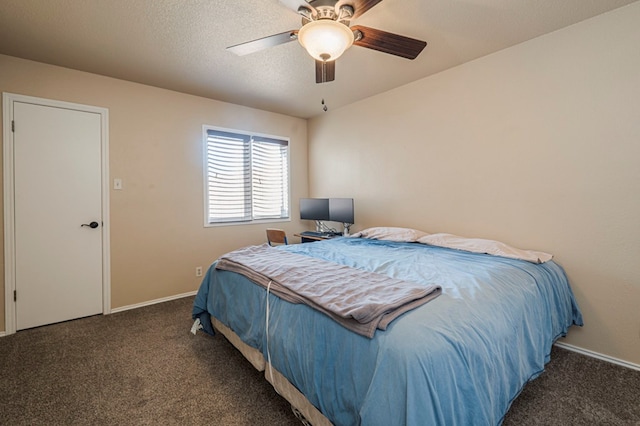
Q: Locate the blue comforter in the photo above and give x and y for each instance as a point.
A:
(460, 359)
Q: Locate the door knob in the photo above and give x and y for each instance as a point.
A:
(92, 225)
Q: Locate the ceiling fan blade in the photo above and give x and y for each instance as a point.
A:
(393, 44)
(263, 43)
(359, 6)
(325, 71)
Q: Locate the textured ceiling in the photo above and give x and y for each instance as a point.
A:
(180, 44)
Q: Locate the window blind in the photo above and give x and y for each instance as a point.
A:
(247, 177)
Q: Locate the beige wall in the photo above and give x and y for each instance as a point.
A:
(537, 145)
(157, 232)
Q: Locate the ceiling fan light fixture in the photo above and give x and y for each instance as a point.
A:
(325, 39)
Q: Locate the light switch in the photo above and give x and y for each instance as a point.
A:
(117, 184)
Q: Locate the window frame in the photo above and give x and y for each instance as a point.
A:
(205, 175)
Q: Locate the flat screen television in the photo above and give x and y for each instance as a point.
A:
(341, 210)
(314, 208)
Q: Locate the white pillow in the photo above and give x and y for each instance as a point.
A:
(480, 245)
(390, 233)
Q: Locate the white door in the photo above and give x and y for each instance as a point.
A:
(57, 189)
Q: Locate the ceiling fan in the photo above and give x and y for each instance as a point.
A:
(326, 33)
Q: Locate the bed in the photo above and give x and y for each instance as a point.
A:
(460, 359)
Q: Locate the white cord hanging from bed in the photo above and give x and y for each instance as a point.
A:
(267, 331)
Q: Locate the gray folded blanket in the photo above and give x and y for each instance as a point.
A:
(359, 300)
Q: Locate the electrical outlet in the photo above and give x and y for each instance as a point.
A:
(198, 271)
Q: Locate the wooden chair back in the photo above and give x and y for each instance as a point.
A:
(276, 236)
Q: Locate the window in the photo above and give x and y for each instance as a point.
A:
(247, 177)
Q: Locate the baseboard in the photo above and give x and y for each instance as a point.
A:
(140, 305)
(600, 356)
(153, 302)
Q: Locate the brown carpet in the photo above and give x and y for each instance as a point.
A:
(143, 367)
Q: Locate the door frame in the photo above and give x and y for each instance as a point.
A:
(8, 100)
